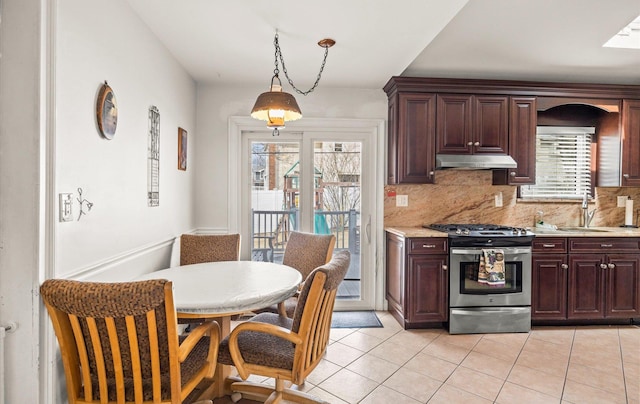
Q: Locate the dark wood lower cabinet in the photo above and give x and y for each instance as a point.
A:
(585, 279)
(549, 287)
(427, 289)
(417, 280)
(604, 286)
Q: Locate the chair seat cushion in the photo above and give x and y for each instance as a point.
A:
(260, 348)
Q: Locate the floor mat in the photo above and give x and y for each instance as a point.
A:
(355, 319)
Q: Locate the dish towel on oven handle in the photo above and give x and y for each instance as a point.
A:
(491, 268)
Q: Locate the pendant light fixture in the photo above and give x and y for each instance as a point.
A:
(276, 106)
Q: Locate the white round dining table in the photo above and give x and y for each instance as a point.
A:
(223, 288)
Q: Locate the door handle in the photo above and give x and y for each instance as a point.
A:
(368, 230)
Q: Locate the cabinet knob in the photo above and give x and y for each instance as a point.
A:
(603, 266)
(564, 266)
(625, 176)
(548, 245)
(428, 246)
(444, 268)
(476, 144)
(606, 245)
(512, 173)
(431, 173)
(611, 265)
(470, 144)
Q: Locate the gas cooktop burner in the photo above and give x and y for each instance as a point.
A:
(479, 230)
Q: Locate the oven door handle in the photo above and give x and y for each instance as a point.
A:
(510, 250)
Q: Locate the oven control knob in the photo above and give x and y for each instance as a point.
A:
(458, 231)
(466, 232)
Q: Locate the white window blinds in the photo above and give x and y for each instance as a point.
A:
(563, 163)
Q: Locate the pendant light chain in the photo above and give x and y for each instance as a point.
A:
(284, 68)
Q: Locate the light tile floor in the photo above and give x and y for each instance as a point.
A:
(566, 365)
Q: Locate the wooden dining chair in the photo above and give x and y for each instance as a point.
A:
(199, 248)
(119, 343)
(304, 252)
(286, 349)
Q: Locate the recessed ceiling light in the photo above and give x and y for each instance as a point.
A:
(628, 37)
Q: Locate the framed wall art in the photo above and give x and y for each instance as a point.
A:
(182, 149)
(107, 112)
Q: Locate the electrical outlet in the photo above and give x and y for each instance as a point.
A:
(402, 200)
(65, 203)
(622, 200)
(498, 200)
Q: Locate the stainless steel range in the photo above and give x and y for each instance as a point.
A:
(490, 278)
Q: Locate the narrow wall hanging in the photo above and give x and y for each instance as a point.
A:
(182, 149)
(153, 157)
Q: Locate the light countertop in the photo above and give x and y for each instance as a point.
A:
(561, 232)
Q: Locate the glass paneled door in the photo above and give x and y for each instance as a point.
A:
(312, 183)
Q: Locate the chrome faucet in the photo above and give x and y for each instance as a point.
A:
(586, 215)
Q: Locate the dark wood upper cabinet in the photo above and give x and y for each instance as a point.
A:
(470, 116)
(472, 124)
(412, 139)
(453, 129)
(631, 143)
(522, 147)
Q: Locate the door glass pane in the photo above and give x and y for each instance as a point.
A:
(337, 170)
(275, 171)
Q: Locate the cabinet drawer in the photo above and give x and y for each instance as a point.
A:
(550, 245)
(427, 246)
(603, 245)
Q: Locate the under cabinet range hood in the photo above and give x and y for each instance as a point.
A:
(475, 161)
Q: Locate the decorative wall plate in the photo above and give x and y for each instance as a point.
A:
(107, 112)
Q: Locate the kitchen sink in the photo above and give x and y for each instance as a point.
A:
(581, 230)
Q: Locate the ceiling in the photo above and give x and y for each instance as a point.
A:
(231, 42)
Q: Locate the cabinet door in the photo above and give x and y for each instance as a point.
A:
(416, 138)
(490, 124)
(395, 276)
(549, 287)
(453, 129)
(623, 285)
(522, 140)
(631, 143)
(586, 286)
(427, 288)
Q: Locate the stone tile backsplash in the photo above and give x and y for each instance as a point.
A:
(467, 196)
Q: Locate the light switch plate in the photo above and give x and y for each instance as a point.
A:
(622, 200)
(402, 200)
(65, 206)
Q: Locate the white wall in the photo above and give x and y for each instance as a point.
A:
(20, 207)
(217, 103)
(98, 41)
(49, 144)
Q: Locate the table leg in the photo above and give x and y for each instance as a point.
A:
(222, 371)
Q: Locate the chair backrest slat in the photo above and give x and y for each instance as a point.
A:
(98, 358)
(83, 357)
(118, 371)
(136, 369)
(155, 360)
